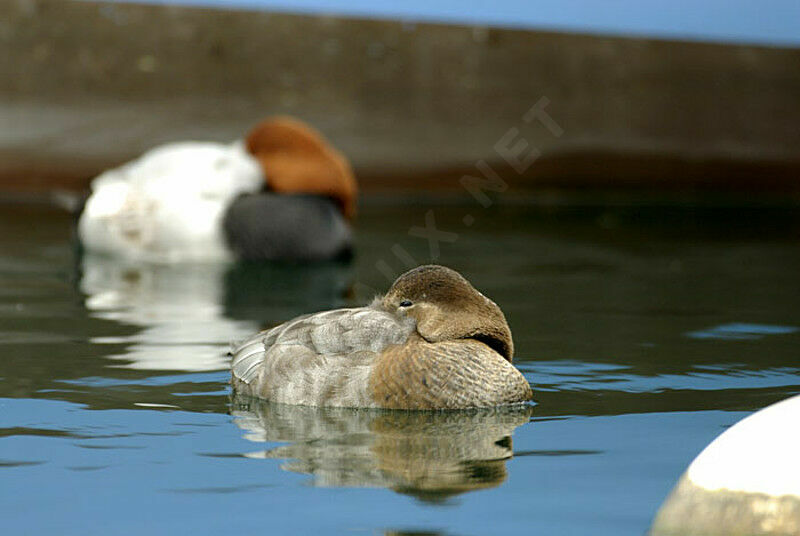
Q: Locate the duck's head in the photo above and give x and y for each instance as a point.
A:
(447, 307)
(297, 159)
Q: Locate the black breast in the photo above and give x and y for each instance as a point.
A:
(269, 226)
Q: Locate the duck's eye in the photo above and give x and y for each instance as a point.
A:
(406, 303)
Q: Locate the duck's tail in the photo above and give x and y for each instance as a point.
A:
(247, 359)
(72, 202)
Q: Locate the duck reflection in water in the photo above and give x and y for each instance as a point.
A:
(429, 455)
(190, 312)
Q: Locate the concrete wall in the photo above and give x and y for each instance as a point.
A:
(84, 85)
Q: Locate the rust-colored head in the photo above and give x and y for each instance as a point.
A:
(446, 307)
(297, 159)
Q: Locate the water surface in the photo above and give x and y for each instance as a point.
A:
(644, 330)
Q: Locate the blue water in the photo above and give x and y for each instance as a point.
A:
(132, 471)
(771, 22)
(116, 415)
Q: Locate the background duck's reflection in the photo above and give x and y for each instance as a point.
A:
(271, 293)
(430, 455)
(191, 312)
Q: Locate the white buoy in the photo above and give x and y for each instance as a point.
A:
(746, 482)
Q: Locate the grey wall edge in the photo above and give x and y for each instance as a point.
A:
(84, 85)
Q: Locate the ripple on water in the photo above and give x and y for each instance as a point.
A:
(114, 395)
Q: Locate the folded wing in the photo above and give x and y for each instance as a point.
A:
(321, 359)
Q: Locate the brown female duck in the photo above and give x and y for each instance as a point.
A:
(432, 342)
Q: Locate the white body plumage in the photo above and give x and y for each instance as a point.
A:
(168, 204)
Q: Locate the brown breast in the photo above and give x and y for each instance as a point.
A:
(453, 374)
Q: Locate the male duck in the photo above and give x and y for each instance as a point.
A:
(432, 342)
(282, 193)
